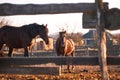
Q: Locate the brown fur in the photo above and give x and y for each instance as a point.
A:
(65, 47)
(21, 37)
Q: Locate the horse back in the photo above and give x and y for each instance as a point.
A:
(15, 37)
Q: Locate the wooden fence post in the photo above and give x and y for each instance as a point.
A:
(101, 39)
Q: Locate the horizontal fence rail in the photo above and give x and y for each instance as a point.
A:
(57, 60)
(32, 65)
(7, 9)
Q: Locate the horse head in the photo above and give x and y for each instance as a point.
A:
(44, 33)
(62, 38)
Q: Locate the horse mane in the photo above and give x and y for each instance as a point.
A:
(32, 29)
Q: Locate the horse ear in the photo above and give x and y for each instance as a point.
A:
(46, 25)
(64, 31)
(42, 24)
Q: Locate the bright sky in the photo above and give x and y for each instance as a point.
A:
(54, 21)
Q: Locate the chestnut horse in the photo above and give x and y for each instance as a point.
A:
(21, 37)
(64, 46)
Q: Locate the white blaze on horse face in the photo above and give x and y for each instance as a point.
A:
(62, 37)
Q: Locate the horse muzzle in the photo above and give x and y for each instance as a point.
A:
(47, 41)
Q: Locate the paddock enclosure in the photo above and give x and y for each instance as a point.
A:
(47, 62)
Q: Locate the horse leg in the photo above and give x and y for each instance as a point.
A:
(1, 50)
(68, 64)
(10, 52)
(70, 67)
(30, 50)
(73, 54)
(26, 52)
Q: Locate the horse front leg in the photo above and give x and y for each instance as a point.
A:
(10, 52)
(1, 50)
(68, 65)
(72, 66)
(26, 52)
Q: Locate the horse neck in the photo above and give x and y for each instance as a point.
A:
(62, 42)
(32, 33)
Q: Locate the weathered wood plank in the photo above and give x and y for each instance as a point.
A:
(31, 9)
(90, 18)
(112, 19)
(101, 39)
(57, 60)
(31, 70)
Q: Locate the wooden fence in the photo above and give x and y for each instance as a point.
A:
(32, 9)
(112, 50)
(31, 65)
(29, 9)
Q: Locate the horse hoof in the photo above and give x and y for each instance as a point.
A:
(70, 71)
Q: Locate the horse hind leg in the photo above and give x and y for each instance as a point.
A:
(10, 52)
(70, 68)
(73, 53)
(30, 50)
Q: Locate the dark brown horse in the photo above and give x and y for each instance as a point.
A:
(64, 46)
(21, 37)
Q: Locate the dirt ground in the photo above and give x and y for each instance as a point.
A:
(80, 73)
(80, 76)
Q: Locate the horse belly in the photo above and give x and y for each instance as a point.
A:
(16, 41)
(15, 45)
